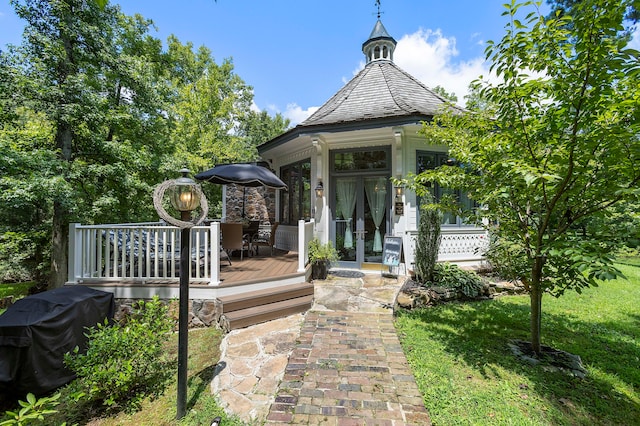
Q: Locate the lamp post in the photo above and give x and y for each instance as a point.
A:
(185, 196)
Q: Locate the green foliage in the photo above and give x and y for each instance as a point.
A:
(450, 96)
(93, 114)
(506, 258)
(428, 240)
(127, 361)
(451, 276)
(33, 410)
(557, 145)
(319, 252)
(16, 290)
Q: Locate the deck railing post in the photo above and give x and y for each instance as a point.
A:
(214, 229)
(74, 258)
(302, 255)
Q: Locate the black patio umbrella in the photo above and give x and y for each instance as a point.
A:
(243, 174)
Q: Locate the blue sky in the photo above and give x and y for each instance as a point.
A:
(297, 53)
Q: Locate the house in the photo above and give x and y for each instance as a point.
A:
(337, 165)
(349, 149)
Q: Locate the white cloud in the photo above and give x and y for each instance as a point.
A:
(431, 58)
(296, 114)
(254, 107)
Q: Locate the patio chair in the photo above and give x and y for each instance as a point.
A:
(224, 255)
(265, 239)
(233, 238)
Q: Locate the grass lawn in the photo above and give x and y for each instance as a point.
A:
(468, 376)
(17, 290)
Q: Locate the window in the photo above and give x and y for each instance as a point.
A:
(295, 204)
(430, 160)
(351, 161)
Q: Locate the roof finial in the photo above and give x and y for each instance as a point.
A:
(378, 5)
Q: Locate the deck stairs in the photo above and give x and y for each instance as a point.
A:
(243, 310)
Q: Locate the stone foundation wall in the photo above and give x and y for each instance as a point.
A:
(202, 313)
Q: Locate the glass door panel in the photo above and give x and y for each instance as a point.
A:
(345, 214)
(375, 215)
(361, 212)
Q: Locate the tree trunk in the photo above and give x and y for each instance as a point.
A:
(59, 246)
(60, 223)
(536, 304)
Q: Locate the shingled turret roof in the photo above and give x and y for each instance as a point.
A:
(380, 94)
(380, 90)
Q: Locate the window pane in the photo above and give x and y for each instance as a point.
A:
(285, 175)
(296, 202)
(360, 160)
(431, 160)
(305, 173)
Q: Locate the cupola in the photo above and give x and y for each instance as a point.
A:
(380, 45)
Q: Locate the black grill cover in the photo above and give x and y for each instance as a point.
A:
(38, 330)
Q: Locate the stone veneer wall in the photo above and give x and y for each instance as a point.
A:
(202, 312)
(259, 204)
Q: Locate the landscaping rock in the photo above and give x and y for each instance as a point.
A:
(550, 359)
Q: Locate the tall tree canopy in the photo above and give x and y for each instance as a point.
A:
(558, 142)
(94, 112)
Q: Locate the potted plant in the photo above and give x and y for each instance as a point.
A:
(320, 257)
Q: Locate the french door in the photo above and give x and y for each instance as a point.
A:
(360, 212)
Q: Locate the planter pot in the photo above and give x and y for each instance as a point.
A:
(319, 270)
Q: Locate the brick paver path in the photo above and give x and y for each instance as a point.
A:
(348, 369)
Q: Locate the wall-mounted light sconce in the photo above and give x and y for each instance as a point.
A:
(319, 189)
(398, 204)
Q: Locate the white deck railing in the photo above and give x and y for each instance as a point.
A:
(144, 252)
(458, 245)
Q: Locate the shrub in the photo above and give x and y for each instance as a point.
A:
(451, 276)
(428, 241)
(506, 258)
(127, 361)
(319, 252)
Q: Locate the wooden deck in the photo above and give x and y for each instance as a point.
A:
(258, 268)
(252, 273)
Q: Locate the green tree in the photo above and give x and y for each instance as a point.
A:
(91, 76)
(259, 127)
(93, 114)
(211, 100)
(450, 96)
(211, 109)
(560, 145)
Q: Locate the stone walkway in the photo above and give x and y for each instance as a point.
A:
(339, 364)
